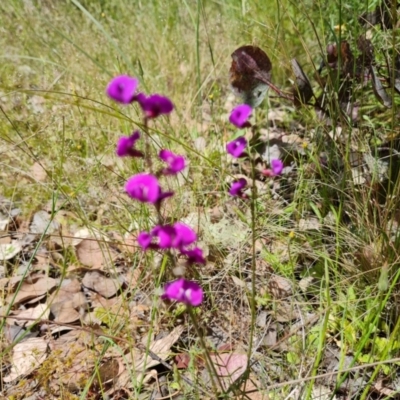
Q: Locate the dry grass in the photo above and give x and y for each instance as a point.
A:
(326, 256)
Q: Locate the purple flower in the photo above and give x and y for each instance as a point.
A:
(144, 187)
(178, 236)
(154, 105)
(195, 256)
(276, 166)
(237, 187)
(160, 237)
(125, 146)
(237, 146)
(122, 89)
(145, 240)
(240, 116)
(175, 162)
(183, 291)
(184, 235)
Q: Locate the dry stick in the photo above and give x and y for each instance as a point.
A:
(328, 374)
(153, 355)
(282, 95)
(279, 92)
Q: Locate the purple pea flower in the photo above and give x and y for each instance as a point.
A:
(176, 163)
(145, 240)
(126, 146)
(154, 105)
(160, 237)
(122, 89)
(237, 187)
(178, 236)
(240, 116)
(143, 187)
(195, 256)
(184, 291)
(237, 146)
(184, 236)
(276, 166)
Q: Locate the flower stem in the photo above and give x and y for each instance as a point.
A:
(210, 365)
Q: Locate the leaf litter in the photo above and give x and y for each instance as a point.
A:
(74, 300)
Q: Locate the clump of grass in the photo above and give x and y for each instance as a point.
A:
(54, 113)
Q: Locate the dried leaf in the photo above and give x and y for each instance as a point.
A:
(379, 91)
(160, 347)
(182, 360)
(229, 367)
(383, 389)
(396, 77)
(14, 333)
(80, 235)
(29, 291)
(252, 391)
(38, 172)
(41, 311)
(10, 250)
(94, 254)
(97, 282)
(279, 287)
(4, 221)
(67, 302)
(238, 282)
(43, 224)
(27, 356)
(302, 92)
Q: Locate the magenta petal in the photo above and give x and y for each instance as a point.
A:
(122, 89)
(237, 146)
(195, 256)
(194, 293)
(173, 290)
(240, 115)
(125, 146)
(144, 239)
(165, 235)
(176, 163)
(276, 166)
(237, 187)
(185, 235)
(154, 105)
(143, 187)
(184, 291)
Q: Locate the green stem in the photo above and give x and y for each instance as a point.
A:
(210, 365)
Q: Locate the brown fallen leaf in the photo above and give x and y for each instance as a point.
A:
(29, 291)
(97, 282)
(279, 287)
(39, 174)
(253, 390)
(95, 254)
(229, 367)
(26, 357)
(379, 90)
(302, 91)
(138, 365)
(67, 302)
(41, 311)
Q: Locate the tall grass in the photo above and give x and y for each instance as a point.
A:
(57, 58)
